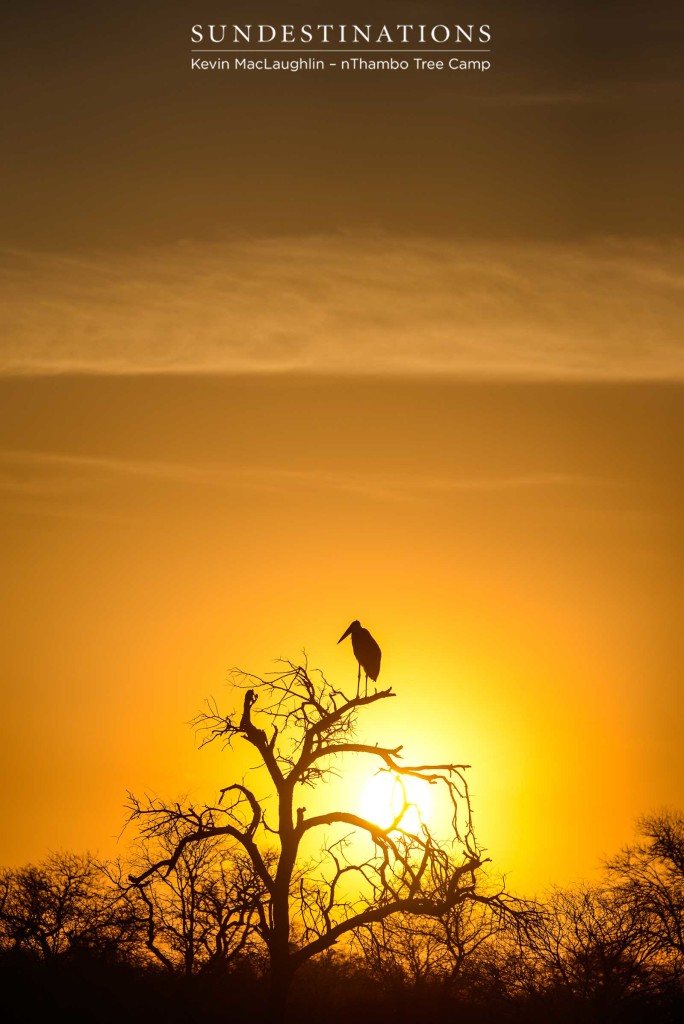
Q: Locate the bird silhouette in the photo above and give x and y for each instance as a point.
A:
(366, 651)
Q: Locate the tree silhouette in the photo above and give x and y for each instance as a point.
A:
(650, 874)
(64, 906)
(591, 948)
(415, 951)
(303, 732)
(201, 915)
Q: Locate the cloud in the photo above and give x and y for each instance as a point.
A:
(50, 483)
(539, 99)
(622, 94)
(349, 304)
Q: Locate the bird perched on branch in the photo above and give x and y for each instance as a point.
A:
(366, 651)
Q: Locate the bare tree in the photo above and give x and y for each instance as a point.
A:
(590, 945)
(650, 874)
(364, 873)
(62, 906)
(412, 950)
(200, 915)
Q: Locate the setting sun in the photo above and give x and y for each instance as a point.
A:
(384, 796)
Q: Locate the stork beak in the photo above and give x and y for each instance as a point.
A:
(346, 633)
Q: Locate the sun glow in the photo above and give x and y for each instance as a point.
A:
(386, 794)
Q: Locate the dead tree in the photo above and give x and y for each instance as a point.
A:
(401, 952)
(200, 916)
(64, 906)
(303, 733)
(650, 874)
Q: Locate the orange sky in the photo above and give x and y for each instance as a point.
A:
(280, 354)
(516, 550)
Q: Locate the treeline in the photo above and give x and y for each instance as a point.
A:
(78, 940)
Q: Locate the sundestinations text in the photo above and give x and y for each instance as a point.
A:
(348, 35)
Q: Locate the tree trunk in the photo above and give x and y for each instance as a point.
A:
(281, 967)
(279, 987)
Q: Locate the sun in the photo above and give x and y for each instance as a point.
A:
(384, 795)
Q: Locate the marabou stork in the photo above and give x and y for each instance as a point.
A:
(366, 652)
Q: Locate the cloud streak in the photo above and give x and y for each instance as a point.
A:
(340, 304)
(45, 477)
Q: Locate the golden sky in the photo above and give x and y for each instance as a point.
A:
(275, 356)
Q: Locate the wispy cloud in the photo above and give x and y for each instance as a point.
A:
(45, 478)
(351, 305)
(539, 99)
(624, 94)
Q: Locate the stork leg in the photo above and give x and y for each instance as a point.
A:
(358, 681)
(366, 690)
